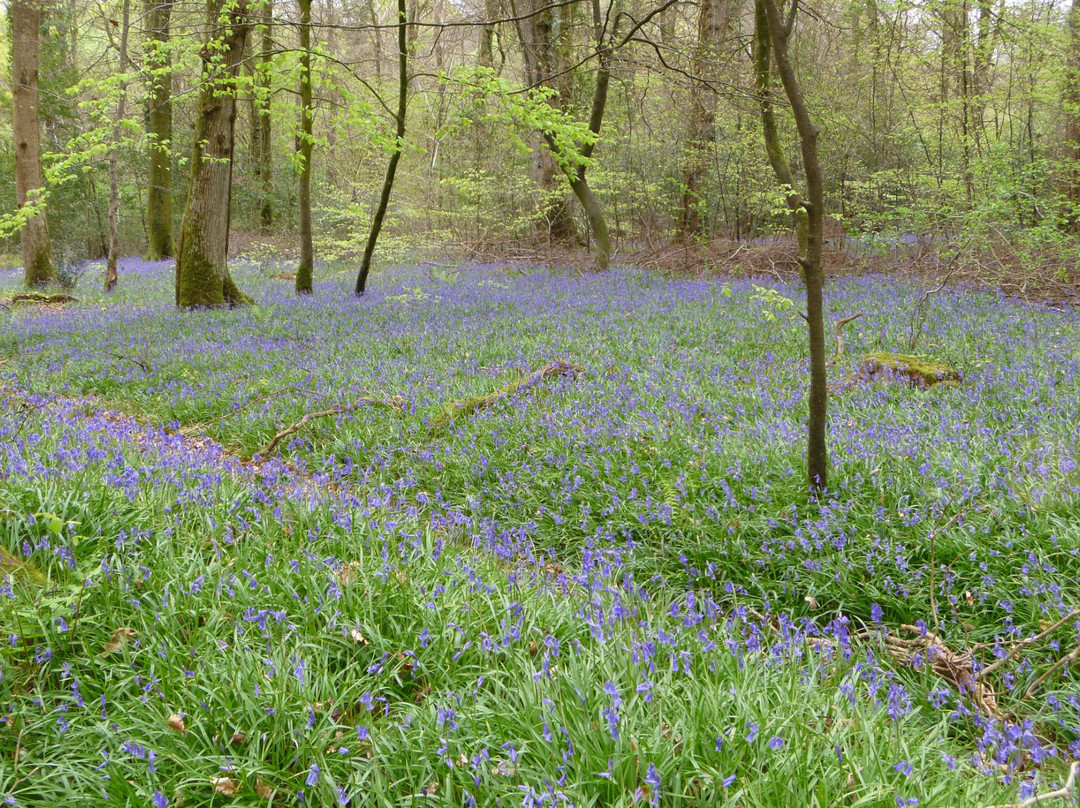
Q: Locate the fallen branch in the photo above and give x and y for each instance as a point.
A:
(1012, 651)
(957, 668)
(839, 326)
(38, 297)
(467, 406)
(396, 403)
(1063, 793)
(1069, 658)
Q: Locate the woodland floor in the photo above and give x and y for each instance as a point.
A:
(604, 586)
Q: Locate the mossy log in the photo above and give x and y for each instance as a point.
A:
(38, 297)
(464, 407)
(18, 569)
(919, 372)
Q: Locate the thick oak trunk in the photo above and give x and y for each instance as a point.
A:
(29, 184)
(202, 273)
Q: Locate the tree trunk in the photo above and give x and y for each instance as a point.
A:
(399, 147)
(779, 32)
(769, 130)
(159, 213)
(202, 273)
(1072, 117)
(265, 133)
(701, 132)
(304, 148)
(26, 128)
(114, 155)
(547, 54)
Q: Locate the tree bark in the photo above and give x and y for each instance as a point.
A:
(265, 131)
(304, 147)
(1072, 117)
(202, 273)
(779, 32)
(548, 58)
(159, 213)
(114, 154)
(701, 131)
(38, 264)
(399, 147)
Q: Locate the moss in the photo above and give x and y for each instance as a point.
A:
(19, 569)
(464, 407)
(920, 372)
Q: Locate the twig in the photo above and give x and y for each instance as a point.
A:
(396, 403)
(1072, 656)
(1063, 793)
(837, 328)
(993, 667)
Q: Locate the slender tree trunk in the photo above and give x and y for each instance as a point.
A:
(810, 260)
(202, 272)
(114, 155)
(265, 132)
(769, 130)
(399, 147)
(29, 184)
(159, 213)
(304, 144)
(1072, 117)
(701, 132)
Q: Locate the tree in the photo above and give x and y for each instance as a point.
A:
(304, 142)
(1072, 117)
(395, 154)
(114, 154)
(772, 29)
(202, 272)
(701, 130)
(38, 264)
(159, 212)
(544, 33)
(262, 130)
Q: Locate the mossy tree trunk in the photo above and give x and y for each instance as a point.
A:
(202, 273)
(159, 208)
(38, 264)
(810, 218)
(304, 144)
(399, 147)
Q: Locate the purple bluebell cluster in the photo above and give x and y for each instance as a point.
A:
(608, 589)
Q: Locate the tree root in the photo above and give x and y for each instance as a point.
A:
(465, 407)
(396, 403)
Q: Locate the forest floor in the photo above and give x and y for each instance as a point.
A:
(605, 587)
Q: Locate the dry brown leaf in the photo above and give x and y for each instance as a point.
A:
(262, 790)
(357, 637)
(121, 637)
(225, 785)
(175, 723)
(431, 788)
(237, 738)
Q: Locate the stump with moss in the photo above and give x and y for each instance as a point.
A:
(917, 371)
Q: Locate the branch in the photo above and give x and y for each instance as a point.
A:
(1072, 656)
(991, 668)
(1064, 793)
(396, 403)
(839, 325)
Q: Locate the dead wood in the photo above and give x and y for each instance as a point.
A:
(396, 403)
